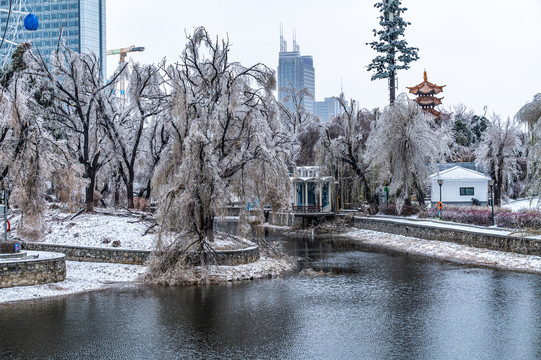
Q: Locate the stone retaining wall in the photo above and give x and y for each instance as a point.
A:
(137, 257)
(92, 254)
(17, 272)
(233, 257)
(511, 243)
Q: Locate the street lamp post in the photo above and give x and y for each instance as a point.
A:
(491, 183)
(440, 183)
(386, 189)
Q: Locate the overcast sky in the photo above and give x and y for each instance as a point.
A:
(486, 52)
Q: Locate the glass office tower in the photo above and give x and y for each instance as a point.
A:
(82, 23)
(297, 70)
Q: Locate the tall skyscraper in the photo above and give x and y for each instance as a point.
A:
(297, 71)
(82, 23)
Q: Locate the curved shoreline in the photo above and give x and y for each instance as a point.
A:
(447, 251)
(83, 277)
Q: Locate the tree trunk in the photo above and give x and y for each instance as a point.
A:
(392, 94)
(129, 189)
(498, 191)
(370, 198)
(147, 190)
(420, 196)
(89, 199)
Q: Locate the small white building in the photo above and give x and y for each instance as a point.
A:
(311, 192)
(460, 186)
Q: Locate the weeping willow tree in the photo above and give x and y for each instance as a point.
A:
(342, 150)
(530, 114)
(227, 144)
(403, 147)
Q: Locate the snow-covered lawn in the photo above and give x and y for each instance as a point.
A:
(521, 204)
(449, 251)
(99, 230)
(80, 277)
(92, 230)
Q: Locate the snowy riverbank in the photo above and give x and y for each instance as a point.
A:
(125, 231)
(449, 251)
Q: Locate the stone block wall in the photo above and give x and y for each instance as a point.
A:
(84, 253)
(137, 257)
(32, 272)
(237, 257)
(511, 243)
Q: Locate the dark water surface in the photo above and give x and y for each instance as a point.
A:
(371, 306)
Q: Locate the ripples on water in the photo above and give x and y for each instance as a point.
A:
(368, 306)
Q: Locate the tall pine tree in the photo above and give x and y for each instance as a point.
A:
(396, 54)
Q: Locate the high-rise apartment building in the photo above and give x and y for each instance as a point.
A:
(82, 23)
(297, 71)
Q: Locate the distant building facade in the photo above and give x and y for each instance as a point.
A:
(297, 71)
(327, 108)
(82, 23)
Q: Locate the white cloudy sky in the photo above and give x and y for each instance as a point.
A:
(486, 52)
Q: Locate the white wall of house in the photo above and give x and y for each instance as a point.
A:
(450, 191)
(473, 184)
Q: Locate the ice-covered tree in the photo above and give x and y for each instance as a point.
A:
(498, 153)
(343, 144)
(29, 153)
(292, 110)
(225, 132)
(395, 52)
(75, 113)
(22, 154)
(530, 114)
(155, 140)
(303, 126)
(125, 125)
(403, 147)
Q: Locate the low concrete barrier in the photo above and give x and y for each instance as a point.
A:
(476, 238)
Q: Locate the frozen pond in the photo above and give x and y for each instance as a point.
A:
(371, 306)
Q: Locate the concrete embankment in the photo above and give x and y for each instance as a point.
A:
(481, 237)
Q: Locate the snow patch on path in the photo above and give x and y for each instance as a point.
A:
(450, 251)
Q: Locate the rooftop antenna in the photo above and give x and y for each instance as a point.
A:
(295, 45)
(283, 42)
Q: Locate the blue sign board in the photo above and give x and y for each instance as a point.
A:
(17, 247)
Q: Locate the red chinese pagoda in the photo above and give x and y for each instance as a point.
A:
(425, 92)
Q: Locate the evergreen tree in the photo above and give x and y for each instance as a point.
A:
(396, 54)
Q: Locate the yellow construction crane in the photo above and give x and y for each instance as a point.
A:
(124, 51)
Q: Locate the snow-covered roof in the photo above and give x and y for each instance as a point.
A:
(459, 173)
(313, 179)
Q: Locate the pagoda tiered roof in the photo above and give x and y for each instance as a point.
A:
(425, 92)
(426, 88)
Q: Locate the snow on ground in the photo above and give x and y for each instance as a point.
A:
(450, 251)
(264, 267)
(522, 204)
(448, 225)
(99, 230)
(91, 230)
(80, 277)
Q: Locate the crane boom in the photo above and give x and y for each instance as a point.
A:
(124, 51)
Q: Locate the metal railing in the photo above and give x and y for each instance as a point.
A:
(307, 209)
